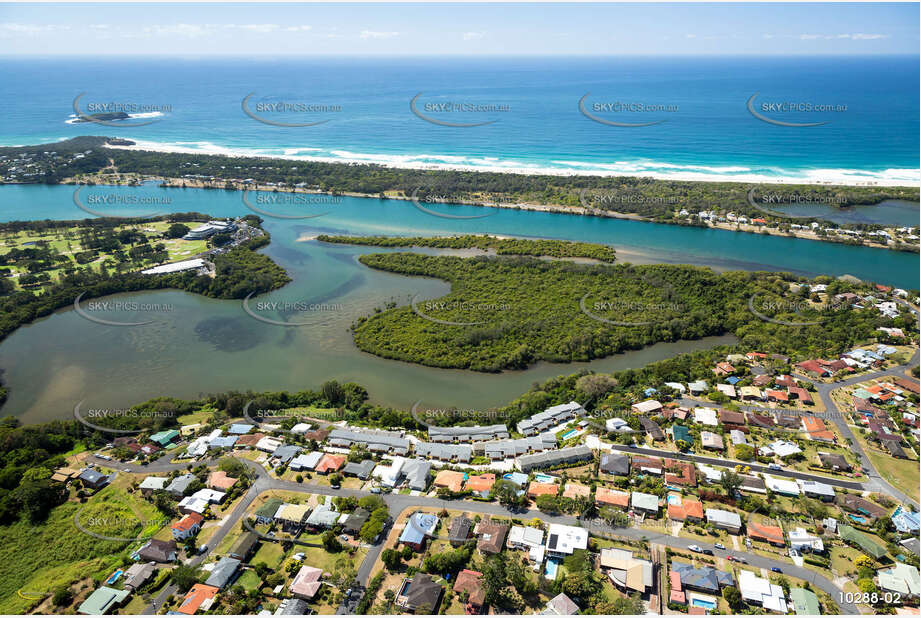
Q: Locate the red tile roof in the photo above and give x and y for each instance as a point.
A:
(188, 522)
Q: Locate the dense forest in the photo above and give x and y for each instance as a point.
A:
(655, 199)
(501, 246)
(508, 313)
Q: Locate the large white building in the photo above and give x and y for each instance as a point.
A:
(563, 540)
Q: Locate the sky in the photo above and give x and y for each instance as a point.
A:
(427, 30)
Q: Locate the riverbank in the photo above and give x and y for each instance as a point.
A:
(117, 179)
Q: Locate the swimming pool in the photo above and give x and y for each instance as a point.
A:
(569, 434)
(550, 570)
(857, 518)
(544, 478)
(703, 603)
(114, 577)
(673, 499)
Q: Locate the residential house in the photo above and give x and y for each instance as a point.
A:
(817, 490)
(419, 527)
(549, 459)
(703, 578)
(102, 601)
(680, 473)
(292, 517)
(93, 479)
(686, 509)
(652, 429)
(730, 417)
(151, 484)
(902, 579)
(158, 551)
(420, 595)
(187, 527)
(139, 574)
(330, 463)
(833, 461)
(480, 485)
(551, 417)
(644, 503)
(265, 514)
(356, 520)
(537, 489)
(705, 416)
(765, 533)
(760, 591)
(180, 484)
(605, 496)
(805, 602)
(361, 470)
(306, 583)
(712, 441)
(724, 520)
(803, 541)
(375, 441)
(492, 537)
(244, 547)
(223, 572)
(626, 572)
(460, 530)
(564, 540)
(853, 536)
(615, 463)
(470, 583)
(221, 481)
(561, 605)
(451, 480)
(649, 407)
(861, 506)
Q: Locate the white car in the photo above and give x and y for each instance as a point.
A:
(719, 546)
(695, 548)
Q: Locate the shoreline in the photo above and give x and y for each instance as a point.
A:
(831, 177)
(220, 184)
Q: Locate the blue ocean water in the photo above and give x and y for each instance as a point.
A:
(705, 131)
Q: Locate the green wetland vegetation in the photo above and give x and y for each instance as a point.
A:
(510, 312)
(501, 246)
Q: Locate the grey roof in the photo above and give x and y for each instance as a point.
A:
(460, 529)
(244, 546)
(292, 607)
(93, 477)
(417, 472)
(615, 463)
(652, 428)
(467, 434)
(223, 572)
(286, 452)
(703, 578)
(158, 551)
(223, 442)
(548, 418)
(306, 461)
(362, 470)
(180, 484)
(506, 449)
(138, 573)
(356, 520)
(552, 458)
(425, 592)
(378, 441)
(444, 452)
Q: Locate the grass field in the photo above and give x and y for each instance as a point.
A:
(249, 580)
(903, 474)
(271, 554)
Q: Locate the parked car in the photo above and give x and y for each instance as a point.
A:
(774, 466)
(719, 546)
(708, 552)
(731, 558)
(776, 569)
(375, 490)
(695, 548)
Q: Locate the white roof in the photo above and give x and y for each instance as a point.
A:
(726, 518)
(268, 444)
(706, 416)
(307, 460)
(650, 405)
(781, 486)
(727, 389)
(209, 495)
(194, 504)
(301, 428)
(154, 482)
(521, 535)
(647, 502)
(566, 539)
(699, 385)
(902, 578)
(815, 487)
(799, 538)
(761, 591)
(389, 475)
(175, 267)
(737, 437)
(677, 386)
(615, 424)
(784, 449)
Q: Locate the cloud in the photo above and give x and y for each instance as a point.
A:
(473, 36)
(853, 37)
(186, 30)
(299, 28)
(260, 28)
(372, 34)
(30, 29)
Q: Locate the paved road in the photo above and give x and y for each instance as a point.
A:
(876, 482)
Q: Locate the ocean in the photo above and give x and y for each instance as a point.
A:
(703, 118)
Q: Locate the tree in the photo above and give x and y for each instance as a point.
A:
(506, 492)
(730, 482)
(184, 577)
(596, 384)
(494, 579)
(176, 230)
(330, 542)
(62, 596)
(391, 559)
(548, 504)
(733, 596)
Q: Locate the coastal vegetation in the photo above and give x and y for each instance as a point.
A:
(510, 312)
(656, 200)
(501, 246)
